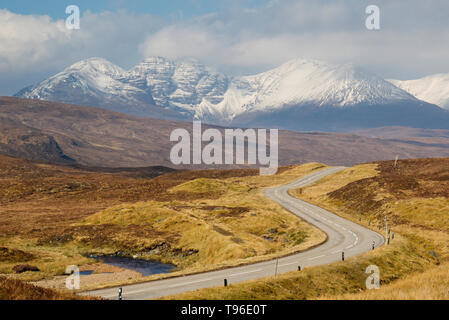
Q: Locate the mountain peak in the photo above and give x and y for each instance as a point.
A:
(96, 65)
(301, 81)
(433, 89)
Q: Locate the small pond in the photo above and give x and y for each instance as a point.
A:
(145, 267)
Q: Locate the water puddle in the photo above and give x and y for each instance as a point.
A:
(145, 267)
(86, 272)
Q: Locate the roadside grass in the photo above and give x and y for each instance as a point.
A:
(11, 289)
(401, 257)
(413, 198)
(50, 260)
(429, 285)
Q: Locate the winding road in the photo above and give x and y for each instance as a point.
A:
(343, 236)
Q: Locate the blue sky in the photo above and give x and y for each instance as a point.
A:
(233, 36)
(165, 8)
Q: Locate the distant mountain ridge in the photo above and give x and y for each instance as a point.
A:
(298, 95)
(433, 89)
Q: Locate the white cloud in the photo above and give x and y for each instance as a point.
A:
(27, 40)
(33, 47)
(413, 40)
(178, 42)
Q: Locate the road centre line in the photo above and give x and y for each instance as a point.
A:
(240, 273)
(316, 257)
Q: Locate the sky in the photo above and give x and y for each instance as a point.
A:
(235, 37)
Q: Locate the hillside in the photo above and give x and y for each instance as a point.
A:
(413, 197)
(68, 134)
(11, 289)
(53, 216)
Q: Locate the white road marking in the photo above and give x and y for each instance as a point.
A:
(191, 282)
(165, 287)
(316, 257)
(288, 264)
(239, 274)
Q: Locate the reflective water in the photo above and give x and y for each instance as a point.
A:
(145, 267)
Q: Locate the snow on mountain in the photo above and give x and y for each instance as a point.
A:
(94, 81)
(182, 84)
(433, 89)
(186, 89)
(300, 82)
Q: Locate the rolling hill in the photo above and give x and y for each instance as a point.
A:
(69, 134)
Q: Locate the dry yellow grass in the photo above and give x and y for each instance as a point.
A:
(432, 213)
(336, 181)
(11, 289)
(430, 285)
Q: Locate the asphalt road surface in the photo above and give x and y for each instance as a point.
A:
(343, 236)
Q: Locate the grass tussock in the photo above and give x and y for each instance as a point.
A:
(429, 285)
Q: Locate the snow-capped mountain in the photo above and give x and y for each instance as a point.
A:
(433, 89)
(299, 95)
(302, 82)
(156, 87)
(93, 82)
(184, 84)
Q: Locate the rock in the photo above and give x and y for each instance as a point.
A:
(269, 239)
(273, 231)
(21, 268)
(433, 253)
